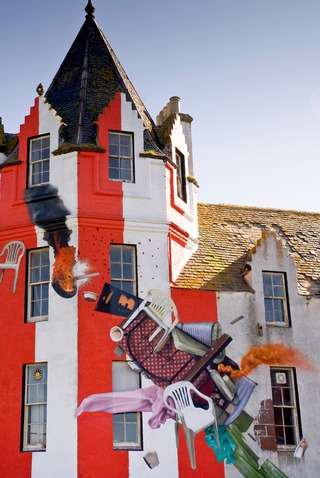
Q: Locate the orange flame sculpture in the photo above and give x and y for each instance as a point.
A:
(269, 354)
(63, 268)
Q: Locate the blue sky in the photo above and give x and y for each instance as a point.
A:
(247, 71)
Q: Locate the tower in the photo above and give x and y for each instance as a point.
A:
(97, 193)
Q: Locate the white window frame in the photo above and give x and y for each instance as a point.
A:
(35, 407)
(39, 160)
(123, 272)
(38, 284)
(123, 422)
(121, 164)
(276, 296)
(285, 407)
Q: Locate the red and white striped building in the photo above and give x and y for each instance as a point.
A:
(134, 206)
(90, 172)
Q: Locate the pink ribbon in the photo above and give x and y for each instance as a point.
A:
(148, 399)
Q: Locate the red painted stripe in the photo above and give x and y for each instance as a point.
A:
(17, 337)
(197, 306)
(100, 223)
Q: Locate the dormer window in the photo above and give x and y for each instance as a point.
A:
(181, 176)
(275, 298)
(121, 157)
(39, 160)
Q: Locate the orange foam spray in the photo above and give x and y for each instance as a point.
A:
(268, 354)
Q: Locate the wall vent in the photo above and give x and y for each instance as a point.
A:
(281, 378)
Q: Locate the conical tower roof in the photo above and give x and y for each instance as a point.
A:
(88, 78)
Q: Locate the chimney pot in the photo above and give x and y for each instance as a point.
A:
(175, 104)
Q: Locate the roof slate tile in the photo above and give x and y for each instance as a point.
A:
(226, 235)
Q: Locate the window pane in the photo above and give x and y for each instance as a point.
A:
(32, 394)
(118, 417)
(280, 435)
(46, 142)
(35, 408)
(120, 146)
(114, 174)
(128, 271)
(122, 268)
(39, 161)
(42, 393)
(267, 290)
(118, 433)
(125, 150)
(114, 164)
(36, 156)
(278, 291)
(277, 396)
(35, 309)
(125, 175)
(126, 426)
(288, 416)
(278, 315)
(114, 138)
(132, 433)
(275, 298)
(290, 436)
(116, 271)
(45, 177)
(38, 287)
(35, 275)
(278, 419)
(125, 140)
(267, 279)
(45, 153)
(45, 273)
(113, 150)
(286, 413)
(131, 417)
(125, 164)
(34, 145)
(277, 279)
(36, 293)
(129, 287)
(127, 254)
(268, 310)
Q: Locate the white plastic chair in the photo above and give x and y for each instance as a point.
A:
(177, 397)
(160, 307)
(14, 252)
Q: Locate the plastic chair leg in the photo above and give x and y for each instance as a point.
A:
(216, 428)
(15, 280)
(190, 444)
(176, 428)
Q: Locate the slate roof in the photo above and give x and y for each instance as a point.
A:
(88, 78)
(9, 150)
(227, 234)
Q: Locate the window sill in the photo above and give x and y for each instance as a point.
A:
(33, 449)
(286, 448)
(282, 325)
(128, 448)
(40, 319)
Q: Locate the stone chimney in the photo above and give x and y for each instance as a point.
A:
(171, 108)
(168, 113)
